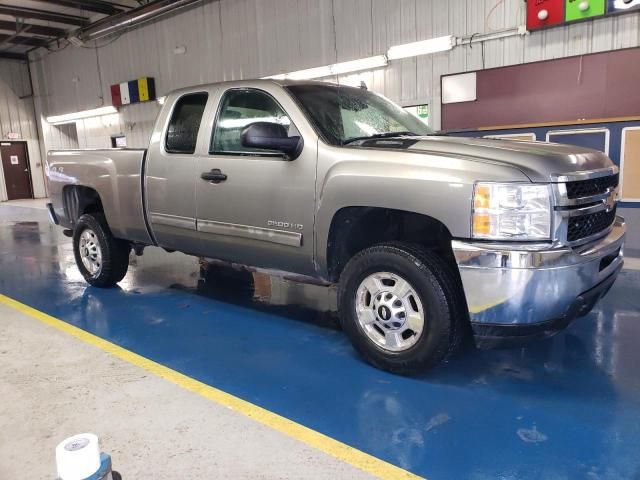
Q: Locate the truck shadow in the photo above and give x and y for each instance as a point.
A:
(308, 303)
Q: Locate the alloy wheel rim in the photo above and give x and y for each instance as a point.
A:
(389, 311)
(90, 252)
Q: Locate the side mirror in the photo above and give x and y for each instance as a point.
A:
(271, 136)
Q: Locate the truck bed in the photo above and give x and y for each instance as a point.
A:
(115, 175)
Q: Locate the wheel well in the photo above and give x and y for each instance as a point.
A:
(79, 200)
(355, 228)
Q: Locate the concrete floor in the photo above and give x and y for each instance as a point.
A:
(53, 386)
(564, 408)
(39, 203)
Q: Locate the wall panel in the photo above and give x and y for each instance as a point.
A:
(600, 85)
(233, 39)
(16, 104)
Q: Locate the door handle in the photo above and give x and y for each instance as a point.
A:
(214, 176)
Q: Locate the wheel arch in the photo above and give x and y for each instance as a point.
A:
(78, 200)
(354, 228)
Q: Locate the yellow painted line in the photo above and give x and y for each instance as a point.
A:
(328, 445)
(486, 306)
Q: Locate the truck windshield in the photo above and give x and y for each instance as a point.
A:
(343, 115)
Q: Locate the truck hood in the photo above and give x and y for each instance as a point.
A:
(540, 161)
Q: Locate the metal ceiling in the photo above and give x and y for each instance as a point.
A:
(28, 24)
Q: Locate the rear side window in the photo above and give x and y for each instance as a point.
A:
(182, 133)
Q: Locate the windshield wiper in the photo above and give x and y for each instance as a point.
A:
(380, 135)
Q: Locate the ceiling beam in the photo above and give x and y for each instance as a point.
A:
(96, 6)
(13, 56)
(21, 12)
(20, 40)
(34, 29)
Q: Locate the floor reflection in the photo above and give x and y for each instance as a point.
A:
(566, 407)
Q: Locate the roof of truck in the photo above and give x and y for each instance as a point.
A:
(255, 82)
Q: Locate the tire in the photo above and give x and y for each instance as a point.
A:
(108, 261)
(435, 290)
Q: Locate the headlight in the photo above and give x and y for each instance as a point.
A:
(511, 211)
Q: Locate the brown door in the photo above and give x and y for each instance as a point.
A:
(15, 165)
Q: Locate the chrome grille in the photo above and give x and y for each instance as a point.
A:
(585, 206)
(594, 186)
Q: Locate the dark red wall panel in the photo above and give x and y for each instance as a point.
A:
(601, 85)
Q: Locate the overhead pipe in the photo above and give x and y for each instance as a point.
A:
(121, 21)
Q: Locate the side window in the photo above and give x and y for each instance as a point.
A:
(240, 108)
(182, 133)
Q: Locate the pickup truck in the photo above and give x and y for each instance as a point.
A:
(429, 237)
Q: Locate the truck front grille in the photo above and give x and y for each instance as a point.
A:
(584, 226)
(594, 186)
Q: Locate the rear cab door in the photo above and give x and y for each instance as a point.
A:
(171, 172)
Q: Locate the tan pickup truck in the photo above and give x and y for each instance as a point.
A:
(429, 237)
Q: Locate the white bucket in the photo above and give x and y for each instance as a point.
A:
(78, 457)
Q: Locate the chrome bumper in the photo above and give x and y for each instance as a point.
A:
(528, 285)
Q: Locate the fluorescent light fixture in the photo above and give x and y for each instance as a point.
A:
(424, 47)
(70, 117)
(368, 63)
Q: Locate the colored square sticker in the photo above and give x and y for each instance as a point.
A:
(544, 13)
(124, 93)
(143, 88)
(622, 6)
(581, 9)
(134, 93)
(116, 100)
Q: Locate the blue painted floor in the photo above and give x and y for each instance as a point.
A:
(564, 408)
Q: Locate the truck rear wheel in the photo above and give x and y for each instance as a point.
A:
(102, 259)
(401, 307)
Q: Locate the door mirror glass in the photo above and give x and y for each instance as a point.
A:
(271, 136)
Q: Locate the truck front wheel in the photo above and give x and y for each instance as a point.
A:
(102, 259)
(401, 307)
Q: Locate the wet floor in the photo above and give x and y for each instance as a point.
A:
(563, 408)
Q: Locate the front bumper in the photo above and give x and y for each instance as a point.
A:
(519, 291)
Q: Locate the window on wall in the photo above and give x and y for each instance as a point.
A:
(240, 108)
(182, 133)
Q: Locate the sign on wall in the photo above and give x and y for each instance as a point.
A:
(550, 13)
(134, 91)
(459, 88)
(622, 6)
(420, 111)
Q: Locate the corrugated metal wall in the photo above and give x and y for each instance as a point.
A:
(234, 39)
(17, 116)
(16, 104)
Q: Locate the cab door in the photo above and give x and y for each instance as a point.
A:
(256, 207)
(171, 173)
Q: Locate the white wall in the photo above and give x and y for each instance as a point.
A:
(235, 39)
(17, 117)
